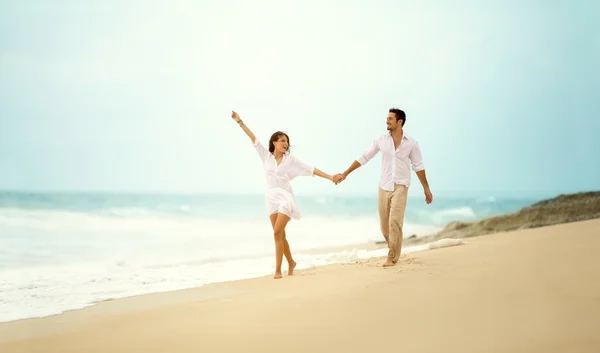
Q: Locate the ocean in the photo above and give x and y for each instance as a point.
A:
(66, 251)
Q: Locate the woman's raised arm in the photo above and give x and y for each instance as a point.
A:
(238, 120)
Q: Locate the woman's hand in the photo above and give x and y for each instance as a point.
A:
(323, 175)
(338, 178)
(235, 117)
(238, 120)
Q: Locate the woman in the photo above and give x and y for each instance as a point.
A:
(280, 169)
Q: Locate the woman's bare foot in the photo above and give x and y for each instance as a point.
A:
(277, 275)
(388, 263)
(291, 268)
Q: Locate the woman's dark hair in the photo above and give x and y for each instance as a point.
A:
(275, 137)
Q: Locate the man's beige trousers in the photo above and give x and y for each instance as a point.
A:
(392, 205)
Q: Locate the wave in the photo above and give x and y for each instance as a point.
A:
(29, 293)
(61, 220)
(456, 212)
(142, 221)
(49, 255)
(137, 208)
(442, 217)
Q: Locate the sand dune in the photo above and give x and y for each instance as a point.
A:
(558, 210)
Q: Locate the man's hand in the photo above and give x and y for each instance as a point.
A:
(338, 178)
(428, 196)
(423, 180)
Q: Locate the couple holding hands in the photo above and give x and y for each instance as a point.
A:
(399, 153)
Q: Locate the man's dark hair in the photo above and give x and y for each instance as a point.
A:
(400, 115)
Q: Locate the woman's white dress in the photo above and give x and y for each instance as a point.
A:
(280, 195)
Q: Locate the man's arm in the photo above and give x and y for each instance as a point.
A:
(423, 180)
(355, 165)
(418, 166)
(365, 157)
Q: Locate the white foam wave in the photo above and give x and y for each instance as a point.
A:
(129, 212)
(52, 260)
(58, 220)
(489, 199)
(459, 211)
(444, 243)
(28, 293)
(451, 214)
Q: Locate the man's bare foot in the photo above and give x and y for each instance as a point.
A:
(388, 263)
(291, 268)
(277, 275)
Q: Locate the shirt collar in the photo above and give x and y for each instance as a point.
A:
(404, 136)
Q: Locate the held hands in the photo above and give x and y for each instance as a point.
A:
(338, 178)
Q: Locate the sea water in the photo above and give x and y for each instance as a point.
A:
(67, 251)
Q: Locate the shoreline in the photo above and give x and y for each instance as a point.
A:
(530, 287)
(341, 254)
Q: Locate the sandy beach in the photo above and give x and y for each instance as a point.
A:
(535, 290)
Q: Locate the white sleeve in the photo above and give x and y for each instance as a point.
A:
(369, 153)
(416, 158)
(299, 168)
(261, 150)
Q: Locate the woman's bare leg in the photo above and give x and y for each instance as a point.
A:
(288, 256)
(279, 222)
(286, 249)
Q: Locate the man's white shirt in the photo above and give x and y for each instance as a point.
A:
(396, 163)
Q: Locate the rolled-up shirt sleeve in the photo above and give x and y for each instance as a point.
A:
(416, 158)
(369, 153)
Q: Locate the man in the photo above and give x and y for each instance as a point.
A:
(399, 152)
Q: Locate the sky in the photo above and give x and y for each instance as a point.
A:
(136, 96)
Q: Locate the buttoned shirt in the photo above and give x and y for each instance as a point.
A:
(280, 176)
(396, 162)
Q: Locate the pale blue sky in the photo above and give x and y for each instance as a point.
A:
(136, 95)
